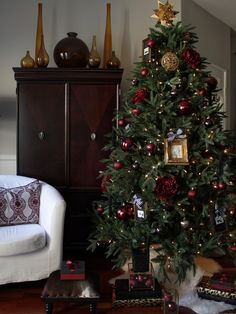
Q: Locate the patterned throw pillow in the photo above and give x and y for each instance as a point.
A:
(20, 205)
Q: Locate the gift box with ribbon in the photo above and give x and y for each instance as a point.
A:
(220, 287)
(224, 281)
(72, 270)
(141, 280)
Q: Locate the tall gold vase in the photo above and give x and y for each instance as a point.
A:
(107, 52)
(39, 42)
(42, 58)
(94, 57)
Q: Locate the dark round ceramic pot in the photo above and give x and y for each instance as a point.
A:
(71, 52)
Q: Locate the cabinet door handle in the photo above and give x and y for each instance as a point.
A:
(93, 136)
(41, 136)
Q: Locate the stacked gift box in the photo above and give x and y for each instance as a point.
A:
(220, 287)
(140, 289)
(123, 296)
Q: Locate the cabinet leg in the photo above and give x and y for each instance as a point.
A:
(48, 308)
(92, 308)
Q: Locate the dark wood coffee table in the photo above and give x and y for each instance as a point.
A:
(74, 291)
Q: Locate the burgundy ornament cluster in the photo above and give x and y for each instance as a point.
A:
(191, 57)
(126, 211)
(166, 187)
(140, 95)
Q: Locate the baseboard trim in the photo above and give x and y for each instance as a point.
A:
(7, 164)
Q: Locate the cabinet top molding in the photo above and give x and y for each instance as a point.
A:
(65, 74)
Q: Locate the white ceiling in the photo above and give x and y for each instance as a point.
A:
(224, 10)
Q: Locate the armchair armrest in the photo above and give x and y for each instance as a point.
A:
(52, 213)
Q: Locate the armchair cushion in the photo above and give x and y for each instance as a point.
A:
(20, 205)
(21, 239)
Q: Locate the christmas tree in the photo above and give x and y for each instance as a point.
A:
(168, 179)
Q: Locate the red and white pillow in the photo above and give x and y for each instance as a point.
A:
(20, 205)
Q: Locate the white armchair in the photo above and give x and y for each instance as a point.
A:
(32, 251)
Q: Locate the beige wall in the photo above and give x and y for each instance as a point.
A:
(214, 44)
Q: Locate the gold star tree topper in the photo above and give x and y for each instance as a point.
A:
(165, 13)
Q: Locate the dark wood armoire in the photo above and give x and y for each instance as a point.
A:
(63, 116)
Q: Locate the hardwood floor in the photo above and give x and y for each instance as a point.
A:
(24, 298)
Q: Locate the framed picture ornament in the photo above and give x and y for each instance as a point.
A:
(149, 53)
(140, 208)
(176, 151)
(219, 218)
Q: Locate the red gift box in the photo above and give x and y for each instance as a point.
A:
(223, 281)
(141, 280)
(72, 270)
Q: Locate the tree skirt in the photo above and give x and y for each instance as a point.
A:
(203, 306)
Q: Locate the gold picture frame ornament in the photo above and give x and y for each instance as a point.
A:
(176, 151)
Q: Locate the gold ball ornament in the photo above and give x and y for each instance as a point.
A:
(170, 61)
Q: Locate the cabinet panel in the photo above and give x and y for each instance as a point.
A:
(91, 112)
(41, 131)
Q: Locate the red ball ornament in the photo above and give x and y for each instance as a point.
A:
(232, 248)
(208, 122)
(211, 83)
(202, 92)
(129, 210)
(100, 209)
(150, 147)
(121, 122)
(221, 186)
(136, 111)
(117, 165)
(185, 107)
(121, 213)
(144, 72)
(151, 43)
(192, 194)
(127, 144)
(172, 307)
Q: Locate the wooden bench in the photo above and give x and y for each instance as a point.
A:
(74, 291)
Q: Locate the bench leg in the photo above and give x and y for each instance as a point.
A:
(92, 308)
(48, 308)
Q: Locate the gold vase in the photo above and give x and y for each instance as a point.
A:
(108, 37)
(113, 62)
(94, 57)
(42, 58)
(39, 43)
(27, 61)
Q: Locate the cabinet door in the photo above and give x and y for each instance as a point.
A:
(91, 112)
(41, 131)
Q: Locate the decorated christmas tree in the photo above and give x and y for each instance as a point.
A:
(169, 177)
